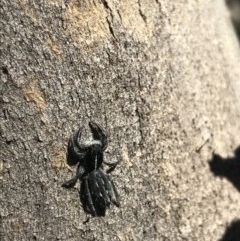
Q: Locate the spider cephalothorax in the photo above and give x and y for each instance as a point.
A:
(97, 188)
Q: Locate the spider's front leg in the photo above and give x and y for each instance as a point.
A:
(75, 151)
(99, 134)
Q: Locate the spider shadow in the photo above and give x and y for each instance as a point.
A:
(234, 8)
(228, 168)
(232, 232)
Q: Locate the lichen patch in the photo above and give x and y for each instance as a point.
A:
(56, 3)
(139, 18)
(33, 94)
(54, 47)
(86, 22)
(125, 156)
(58, 160)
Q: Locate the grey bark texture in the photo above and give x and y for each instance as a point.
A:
(162, 77)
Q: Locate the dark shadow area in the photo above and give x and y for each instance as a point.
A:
(232, 232)
(228, 168)
(236, 26)
(234, 8)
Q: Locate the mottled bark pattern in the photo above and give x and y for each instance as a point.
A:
(162, 77)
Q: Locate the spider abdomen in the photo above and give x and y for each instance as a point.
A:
(97, 193)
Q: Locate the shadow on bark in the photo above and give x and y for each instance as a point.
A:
(228, 168)
(232, 232)
(234, 8)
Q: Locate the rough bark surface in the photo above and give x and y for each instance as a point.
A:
(161, 76)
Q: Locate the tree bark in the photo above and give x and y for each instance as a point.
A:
(162, 77)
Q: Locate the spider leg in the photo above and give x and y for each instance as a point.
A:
(75, 152)
(112, 165)
(109, 185)
(87, 219)
(87, 193)
(116, 201)
(72, 182)
(99, 134)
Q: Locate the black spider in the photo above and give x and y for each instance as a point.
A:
(97, 188)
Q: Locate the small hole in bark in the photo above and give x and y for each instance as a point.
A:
(8, 142)
(5, 70)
